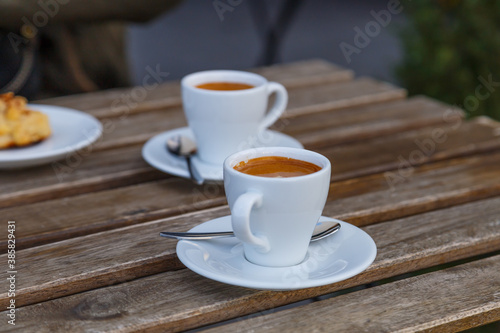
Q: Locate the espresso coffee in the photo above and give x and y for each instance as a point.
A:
(224, 86)
(276, 166)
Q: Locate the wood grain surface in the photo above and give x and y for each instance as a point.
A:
(122, 131)
(179, 300)
(421, 180)
(82, 174)
(96, 166)
(89, 262)
(117, 207)
(369, 121)
(167, 94)
(449, 300)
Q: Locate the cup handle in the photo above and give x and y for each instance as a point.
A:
(278, 107)
(240, 219)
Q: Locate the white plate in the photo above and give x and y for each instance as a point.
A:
(338, 257)
(156, 154)
(71, 130)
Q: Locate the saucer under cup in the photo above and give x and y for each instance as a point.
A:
(340, 256)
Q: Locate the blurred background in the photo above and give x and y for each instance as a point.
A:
(446, 49)
(195, 36)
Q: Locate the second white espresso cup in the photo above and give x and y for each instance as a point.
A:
(225, 121)
(275, 217)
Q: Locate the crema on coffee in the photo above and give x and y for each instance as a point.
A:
(224, 86)
(276, 166)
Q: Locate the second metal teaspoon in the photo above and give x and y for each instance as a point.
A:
(185, 147)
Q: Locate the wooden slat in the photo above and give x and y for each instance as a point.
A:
(322, 98)
(402, 152)
(89, 262)
(124, 101)
(370, 121)
(179, 300)
(76, 174)
(371, 199)
(449, 300)
(97, 211)
(127, 205)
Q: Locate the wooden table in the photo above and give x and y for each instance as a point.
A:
(422, 181)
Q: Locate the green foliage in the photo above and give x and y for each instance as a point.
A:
(451, 47)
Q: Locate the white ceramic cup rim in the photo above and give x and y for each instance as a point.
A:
(190, 81)
(296, 153)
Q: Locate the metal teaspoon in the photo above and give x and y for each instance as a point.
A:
(319, 233)
(183, 146)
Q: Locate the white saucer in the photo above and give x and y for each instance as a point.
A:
(155, 153)
(338, 257)
(71, 130)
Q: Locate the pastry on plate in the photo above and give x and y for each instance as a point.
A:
(20, 126)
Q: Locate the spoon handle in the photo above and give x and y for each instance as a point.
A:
(193, 172)
(197, 235)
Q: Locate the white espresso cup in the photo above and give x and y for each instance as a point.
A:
(225, 121)
(274, 218)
